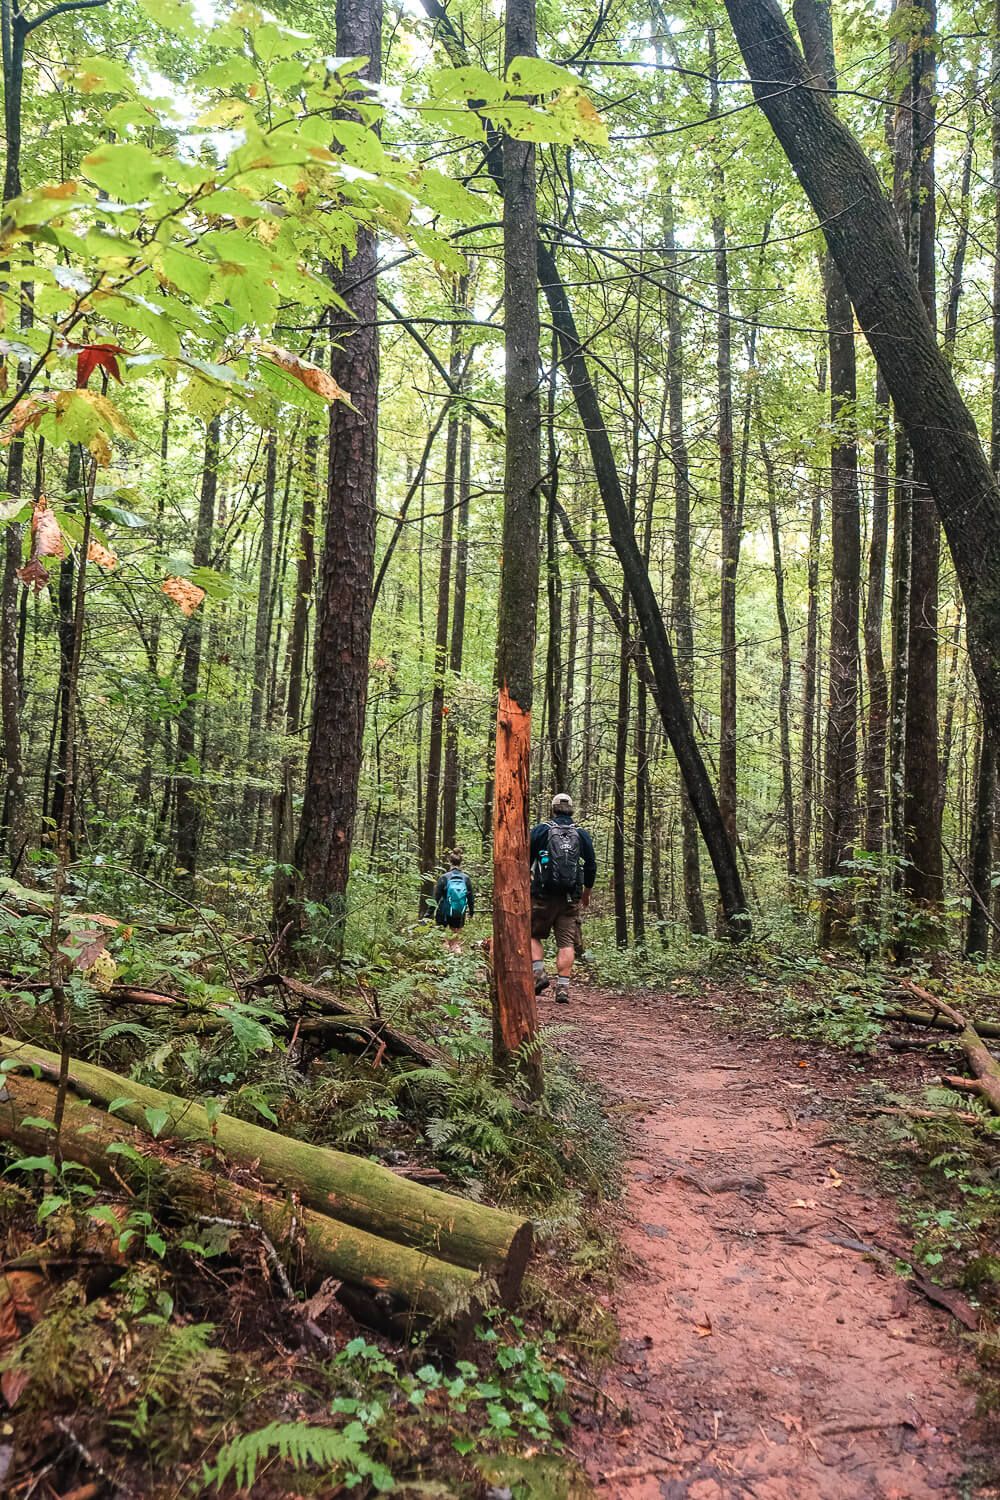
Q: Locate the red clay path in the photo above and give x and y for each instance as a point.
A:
(768, 1350)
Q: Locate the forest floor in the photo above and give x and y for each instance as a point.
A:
(769, 1349)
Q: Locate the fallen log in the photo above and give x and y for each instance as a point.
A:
(938, 1022)
(349, 1188)
(328, 1246)
(981, 1060)
(397, 1043)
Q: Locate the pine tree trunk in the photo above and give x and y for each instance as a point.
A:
(515, 1013)
(347, 564)
(618, 785)
(981, 853)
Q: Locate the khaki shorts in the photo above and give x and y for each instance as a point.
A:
(555, 914)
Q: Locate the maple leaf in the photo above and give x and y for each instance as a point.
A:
(27, 413)
(187, 596)
(97, 356)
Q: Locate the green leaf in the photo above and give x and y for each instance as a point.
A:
(533, 75)
(104, 1214)
(122, 1102)
(35, 1164)
(35, 1122)
(127, 170)
(100, 75)
(156, 1117)
(49, 1205)
(157, 1244)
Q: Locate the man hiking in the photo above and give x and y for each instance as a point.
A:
(563, 870)
(455, 900)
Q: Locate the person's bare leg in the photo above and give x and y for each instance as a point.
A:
(537, 957)
(564, 968)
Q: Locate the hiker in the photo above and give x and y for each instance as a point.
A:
(455, 900)
(563, 870)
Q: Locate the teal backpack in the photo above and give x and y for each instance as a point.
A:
(456, 896)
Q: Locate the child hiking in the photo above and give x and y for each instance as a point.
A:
(455, 900)
(563, 870)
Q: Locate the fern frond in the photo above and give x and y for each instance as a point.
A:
(301, 1446)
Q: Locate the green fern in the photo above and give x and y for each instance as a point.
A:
(301, 1446)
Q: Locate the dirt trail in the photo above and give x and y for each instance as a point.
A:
(764, 1354)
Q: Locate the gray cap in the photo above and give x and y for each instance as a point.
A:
(562, 802)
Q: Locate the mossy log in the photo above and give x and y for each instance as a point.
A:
(327, 1246)
(345, 1187)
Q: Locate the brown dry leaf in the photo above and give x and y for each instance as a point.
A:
(803, 1203)
(835, 1179)
(311, 376)
(23, 1295)
(187, 596)
(87, 943)
(34, 573)
(704, 1329)
(27, 413)
(48, 539)
(101, 556)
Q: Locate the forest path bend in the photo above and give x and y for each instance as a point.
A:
(763, 1353)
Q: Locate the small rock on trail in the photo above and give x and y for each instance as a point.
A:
(768, 1351)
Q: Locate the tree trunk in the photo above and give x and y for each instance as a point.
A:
(785, 689)
(981, 853)
(878, 686)
(515, 1013)
(727, 484)
(618, 785)
(680, 607)
(858, 223)
(809, 686)
(452, 770)
(435, 740)
(189, 813)
(554, 594)
(256, 757)
(347, 564)
(815, 24)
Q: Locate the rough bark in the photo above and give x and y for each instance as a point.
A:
(256, 758)
(515, 1013)
(189, 811)
(347, 565)
(452, 768)
(858, 223)
(814, 20)
(809, 687)
(878, 684)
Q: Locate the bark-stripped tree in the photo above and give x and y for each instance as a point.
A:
(515, 1013)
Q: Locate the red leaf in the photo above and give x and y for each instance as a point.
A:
(97, 356)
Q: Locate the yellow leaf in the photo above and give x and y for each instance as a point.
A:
(311, 376)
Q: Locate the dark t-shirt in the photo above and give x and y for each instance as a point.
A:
(540, 841)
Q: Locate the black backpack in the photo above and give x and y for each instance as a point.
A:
(561, 871)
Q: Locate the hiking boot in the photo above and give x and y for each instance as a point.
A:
(542, 982)
(562, 994)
